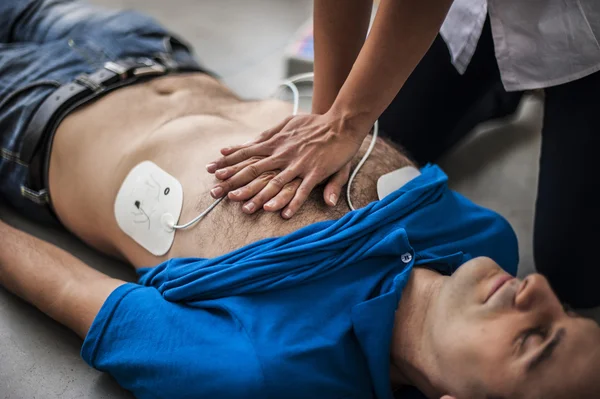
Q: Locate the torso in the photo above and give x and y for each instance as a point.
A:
(179, 123)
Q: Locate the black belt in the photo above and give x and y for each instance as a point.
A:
(83, 89)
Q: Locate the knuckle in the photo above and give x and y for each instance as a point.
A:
(227, 185)
(268, 176)
(260, 199)
(243, 153)
(304, 190)
(253, 171)
(272, 144)
(290, 187)
(277, 182)
(262, 135)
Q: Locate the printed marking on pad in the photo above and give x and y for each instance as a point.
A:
(148, 204)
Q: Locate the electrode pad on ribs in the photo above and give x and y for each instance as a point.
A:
(392, 181)
(148, 204)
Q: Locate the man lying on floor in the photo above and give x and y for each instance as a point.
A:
(415, 289)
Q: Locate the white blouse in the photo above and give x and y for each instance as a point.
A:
(539, 43)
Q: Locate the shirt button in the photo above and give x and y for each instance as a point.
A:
(406, 258)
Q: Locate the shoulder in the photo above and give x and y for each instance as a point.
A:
(150, 345)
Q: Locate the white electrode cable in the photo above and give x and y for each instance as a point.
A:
(296, 95)
(200, 216)
(292, 85)
(361, 163)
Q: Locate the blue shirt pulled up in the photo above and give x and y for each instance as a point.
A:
(307, 315)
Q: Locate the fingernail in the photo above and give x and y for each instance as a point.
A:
(220, 171)
(226, 149)
(287, 214)
(249, 207)
(333, 199)
(216, 192)
(248, 142)
(236, 192)
(211, 166)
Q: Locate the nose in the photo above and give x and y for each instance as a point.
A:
(535, 294)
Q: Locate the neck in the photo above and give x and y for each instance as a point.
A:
(409, 343)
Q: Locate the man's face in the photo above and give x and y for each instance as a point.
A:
(495, 336)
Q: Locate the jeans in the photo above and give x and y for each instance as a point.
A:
(47, 43)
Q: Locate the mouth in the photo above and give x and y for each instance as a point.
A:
(499, 283)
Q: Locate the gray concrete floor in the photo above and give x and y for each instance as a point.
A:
(244, 42)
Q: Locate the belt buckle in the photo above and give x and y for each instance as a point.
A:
(141, 67)
(155, 69)
(148, 67)
(116, 68)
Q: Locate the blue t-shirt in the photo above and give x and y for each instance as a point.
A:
(307, 315)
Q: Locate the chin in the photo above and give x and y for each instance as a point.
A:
(472, 276)
(477, 269)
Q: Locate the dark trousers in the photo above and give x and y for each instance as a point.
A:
(437, 107)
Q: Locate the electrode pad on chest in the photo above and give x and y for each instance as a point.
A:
(392, 181)
(148, 204)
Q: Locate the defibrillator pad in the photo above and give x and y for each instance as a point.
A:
(148, 204)
(392, 181)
